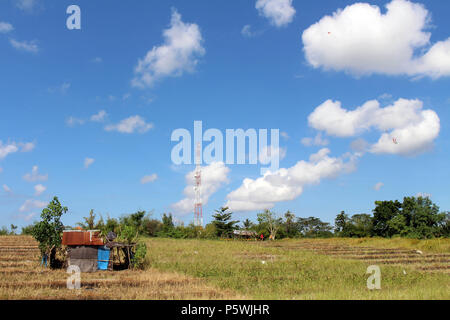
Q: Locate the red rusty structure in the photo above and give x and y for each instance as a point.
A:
(82, 238)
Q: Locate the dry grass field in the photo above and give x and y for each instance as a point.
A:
(213, 269)
(22, 277)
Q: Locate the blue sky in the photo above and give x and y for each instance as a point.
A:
(274, 73)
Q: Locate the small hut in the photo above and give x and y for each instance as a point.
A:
(88, 251)
(244, 234)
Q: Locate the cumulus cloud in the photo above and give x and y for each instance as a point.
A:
(316, 141)
(72, 121)
(100, 116)
(130, 125)
(39, 189)
(378, 186)
(214, 176)
(28, 46)
(149, 178)
(88, 162)
(31, 205)
(288, 184)
(279, 12)
(362, 40)
(405, 122)
(5, 27)
(35, 176)
(180, 53)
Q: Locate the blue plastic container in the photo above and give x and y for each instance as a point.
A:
(103, 258)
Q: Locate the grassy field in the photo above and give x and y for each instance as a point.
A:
(208, 269)
(311, 269)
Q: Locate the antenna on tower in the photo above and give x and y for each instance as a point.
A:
(198, 208)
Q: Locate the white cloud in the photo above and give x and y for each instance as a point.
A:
(32, 204)
(130, 125)
(316, 141)
(5, 27)
(26, 5)
(12, 147)
(35, 176)
(149, 178)
(29, 46)
(424, 195)
(404, 121)
(279, 12)
(39, 189)
(72, 121)
(88, 162)
(63, 88)
(100, 116)
(266, 156)
(179, 53)
(27, 147)
(214, 176)
(288, 184)
(6, 188)
(7, 149)
(362, 40)
(246, 31)
(378, 186)
(284, 135)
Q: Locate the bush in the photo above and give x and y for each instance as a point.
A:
(138, 260)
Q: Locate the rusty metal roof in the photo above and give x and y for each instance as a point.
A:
(82, 238)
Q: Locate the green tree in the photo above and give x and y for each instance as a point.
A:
(341, 224)
(224, 227)
(314, 228)
(168, 224)
(360, 226)
(270, 222)
(247, 224)
(48, 231)
(290, 226)
(89, 222)
(383, 212)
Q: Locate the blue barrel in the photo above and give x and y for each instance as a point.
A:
(103, 258)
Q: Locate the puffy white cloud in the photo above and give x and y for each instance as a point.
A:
(88, 162)
(180, 53)
(405, 122)
(32, 204)
(5, 27)
(35, 176)
(100, 116)
(288, 184)
(214, 176)
(378, 186)
(362, 40)
(39, 189)
(149, 178)
(316, 141)
(72, 121)
(6, 149)
(130, 125)
(29, 46)
(279, 12)
(6, 188)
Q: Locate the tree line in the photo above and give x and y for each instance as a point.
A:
(413, 218)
